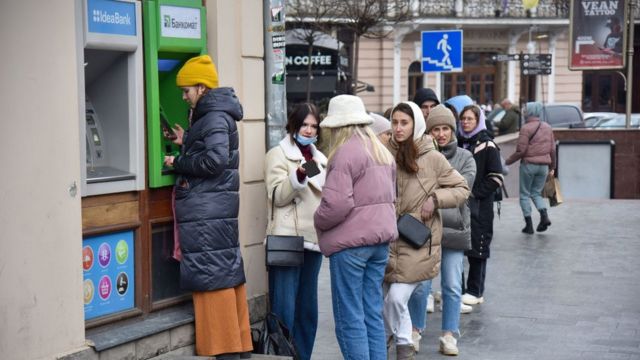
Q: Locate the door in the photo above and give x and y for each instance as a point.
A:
(603, 92)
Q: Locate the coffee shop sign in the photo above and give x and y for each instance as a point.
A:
(304, 60)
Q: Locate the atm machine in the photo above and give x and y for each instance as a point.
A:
(111, 115)
(111, 84)
(174, 31)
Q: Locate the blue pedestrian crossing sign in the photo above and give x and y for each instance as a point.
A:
(442, 51)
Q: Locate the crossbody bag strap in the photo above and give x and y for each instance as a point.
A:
(535, 132)
(273, 210)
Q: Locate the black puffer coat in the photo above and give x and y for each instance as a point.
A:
(488, 178)
(207, 198)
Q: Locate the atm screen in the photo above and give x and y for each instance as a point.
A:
(166, 65)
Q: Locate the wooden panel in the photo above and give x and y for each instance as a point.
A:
(159, 203)
(108, 199)
(160, 194)
(160, 209)
(110, 214)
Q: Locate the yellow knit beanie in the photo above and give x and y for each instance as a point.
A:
(198, 70)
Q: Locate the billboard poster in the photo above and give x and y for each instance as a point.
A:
(108, 274)
(597, 34)
(274, 61)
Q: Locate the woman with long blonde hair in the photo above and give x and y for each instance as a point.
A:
(355, 222)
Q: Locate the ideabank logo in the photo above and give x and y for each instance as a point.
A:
(101, 16)
(167, 21)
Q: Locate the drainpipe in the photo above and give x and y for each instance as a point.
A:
(630, 25)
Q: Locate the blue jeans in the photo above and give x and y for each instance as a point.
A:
(451, 283)
(293, 295)
(532, 179)
(356, 289)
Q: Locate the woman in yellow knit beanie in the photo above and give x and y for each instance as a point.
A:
(206, 210)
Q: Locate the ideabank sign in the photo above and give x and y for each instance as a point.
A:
(111, 17)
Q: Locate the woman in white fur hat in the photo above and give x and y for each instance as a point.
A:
(355, 223)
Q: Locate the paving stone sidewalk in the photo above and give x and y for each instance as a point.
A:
(572, 292)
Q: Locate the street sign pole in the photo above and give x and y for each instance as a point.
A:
(630, 26)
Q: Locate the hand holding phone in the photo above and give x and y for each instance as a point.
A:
(311, 168)
(167, 131)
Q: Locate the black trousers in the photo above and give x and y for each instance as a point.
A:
(477, 274)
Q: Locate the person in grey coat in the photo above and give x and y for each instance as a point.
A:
(456, 237)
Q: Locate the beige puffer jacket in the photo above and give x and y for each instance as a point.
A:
(295, 203)
(435, 176)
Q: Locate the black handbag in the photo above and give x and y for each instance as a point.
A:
(411, 230)
(284, 250)
(414, 232)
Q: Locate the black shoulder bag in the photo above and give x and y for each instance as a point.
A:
(284, 250)
(413, 231)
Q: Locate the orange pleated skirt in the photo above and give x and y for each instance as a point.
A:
(222, 321)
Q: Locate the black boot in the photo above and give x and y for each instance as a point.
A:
(528, 229)
(544, 221)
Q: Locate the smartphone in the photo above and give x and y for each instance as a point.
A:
(311, 168)
(167, 130)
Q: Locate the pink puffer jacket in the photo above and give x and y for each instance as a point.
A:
(357, 206)
(535, 147)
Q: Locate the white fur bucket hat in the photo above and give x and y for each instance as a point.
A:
(345, 110)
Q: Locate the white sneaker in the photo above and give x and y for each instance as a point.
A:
(438, 297)
(415, 339)
(430, 304)
(472, 300)
(448, 345)
(465, 309)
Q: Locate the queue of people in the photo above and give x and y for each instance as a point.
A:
(436, 163)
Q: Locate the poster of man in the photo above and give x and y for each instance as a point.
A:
(598, 34)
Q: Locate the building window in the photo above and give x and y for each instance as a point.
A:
(415, 78)
(476, 80)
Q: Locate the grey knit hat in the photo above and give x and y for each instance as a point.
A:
(440, 115)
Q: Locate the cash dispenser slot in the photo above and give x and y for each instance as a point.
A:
(98, 168)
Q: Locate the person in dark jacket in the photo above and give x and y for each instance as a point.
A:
(536, 150)
(206, 210)
(509, 122)
(426, 99)
(473, 136)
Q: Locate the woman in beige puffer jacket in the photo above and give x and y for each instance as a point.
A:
(425, 182)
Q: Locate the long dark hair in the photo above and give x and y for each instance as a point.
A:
(407, 150)
(296, 118)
